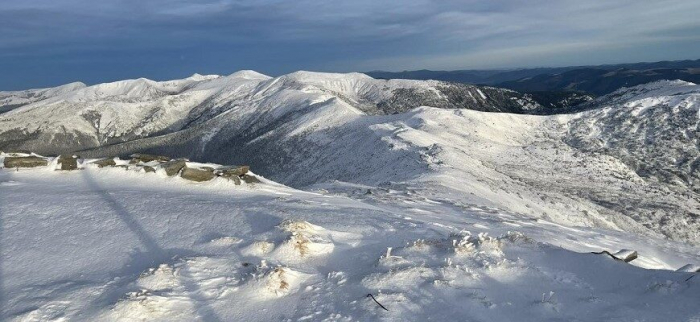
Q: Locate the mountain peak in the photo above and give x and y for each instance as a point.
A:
(200, 77)
(249, 74)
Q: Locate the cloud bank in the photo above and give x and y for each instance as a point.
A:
(46, 42)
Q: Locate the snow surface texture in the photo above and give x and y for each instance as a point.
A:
(115, 245)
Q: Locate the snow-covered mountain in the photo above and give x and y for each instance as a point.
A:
(417, 192)
(104, 114)
(630, 163)
(11, 100)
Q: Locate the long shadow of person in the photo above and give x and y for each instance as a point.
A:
(140, 260)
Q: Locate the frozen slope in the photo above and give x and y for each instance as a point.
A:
(116, 245)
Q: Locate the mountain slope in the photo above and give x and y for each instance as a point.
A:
(618, 166)
(12, 100)
(629, 163)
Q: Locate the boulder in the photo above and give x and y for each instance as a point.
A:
(148, 169)
(198, 175)
(68, 162)
(236, 180)
(25, 162)
(250, 179)
(233, 171)
(139, 157)
(624, 255)
(105, 163)
(173, 167)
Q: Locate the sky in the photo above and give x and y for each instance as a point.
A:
(50, 42)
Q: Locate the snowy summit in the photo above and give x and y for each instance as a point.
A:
(368, 200)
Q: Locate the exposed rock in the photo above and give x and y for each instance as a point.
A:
(236, 180)
(138, 157)
(198, 175)
(25, 162)
(250, 179)
(624, 255)
(233, 171)
(173, 167)
(105, 163)
(68, 162)
(149, 169)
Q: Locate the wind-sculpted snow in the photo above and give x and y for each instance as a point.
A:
(105, 244)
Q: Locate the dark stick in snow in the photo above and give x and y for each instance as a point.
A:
(375, 301)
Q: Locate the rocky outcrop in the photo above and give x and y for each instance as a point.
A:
(68, 162)
(145, 158)
(173, 167)
(250, 179)
(109, 162)
(25, 162)
(198, 175)
(147, 163)
(232, 171)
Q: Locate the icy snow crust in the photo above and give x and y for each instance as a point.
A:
(115, 245)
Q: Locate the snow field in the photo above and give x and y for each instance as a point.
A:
(109, 244)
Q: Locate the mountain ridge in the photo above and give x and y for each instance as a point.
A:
(596, 79)
(628, 161)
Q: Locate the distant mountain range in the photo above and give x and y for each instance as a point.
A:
(74, 117)
(596, 80)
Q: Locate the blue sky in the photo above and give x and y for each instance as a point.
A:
(50, 42)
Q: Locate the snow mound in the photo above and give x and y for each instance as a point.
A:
(275, 281)
(143, 305)
(303, 240)
(158, 279)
